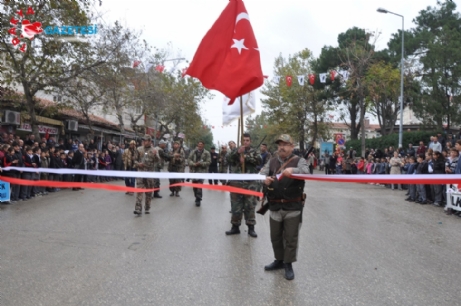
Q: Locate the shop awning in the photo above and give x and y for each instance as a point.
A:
(107, 131)
(45, 120)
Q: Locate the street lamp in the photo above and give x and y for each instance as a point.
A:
(382, 10)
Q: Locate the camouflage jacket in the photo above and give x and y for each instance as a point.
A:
(223, 162)
(176, 160)
(163, 157)
(252, 160)
(129, 157)
(204, 161)
(146, 157)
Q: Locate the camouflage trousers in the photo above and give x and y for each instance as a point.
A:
(145, 183)
(243, 204)
(176, 188)
(198, 191)
(156, 180)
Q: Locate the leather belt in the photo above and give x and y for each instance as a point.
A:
(286, 201)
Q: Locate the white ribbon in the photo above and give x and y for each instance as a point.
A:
(415, 179)
(145, 174)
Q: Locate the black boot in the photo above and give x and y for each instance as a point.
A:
(251, 231)
(156, 195)
(197, 203)
(277, 264)
(172, 194)
(177, 193)
(234, 230)
(289, 273)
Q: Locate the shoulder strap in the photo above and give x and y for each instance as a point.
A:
(282, 167)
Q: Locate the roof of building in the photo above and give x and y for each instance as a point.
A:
(75, 114)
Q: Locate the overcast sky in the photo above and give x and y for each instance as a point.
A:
(281, 27)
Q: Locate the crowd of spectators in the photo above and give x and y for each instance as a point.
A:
(47, 153)
(440, 156)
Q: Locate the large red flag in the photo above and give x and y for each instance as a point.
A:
(228, 58)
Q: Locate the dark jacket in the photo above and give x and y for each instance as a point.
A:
(439, 166)
(412, 168)
(214, 160)
(422, 168)
(78, 160)
(119, 160)
(287, 189)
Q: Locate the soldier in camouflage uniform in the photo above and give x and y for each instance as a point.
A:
(199, 160)
(145, 162)
(176, 164)
(159, 166)
(129, 156)
(232, 150)
(223, 164)
(243, 204)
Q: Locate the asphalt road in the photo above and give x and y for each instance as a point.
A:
(360, 245)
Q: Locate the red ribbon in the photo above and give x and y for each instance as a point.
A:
(56, 184)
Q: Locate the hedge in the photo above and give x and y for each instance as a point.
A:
(393, 140)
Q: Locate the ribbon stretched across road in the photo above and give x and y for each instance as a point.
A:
(417, 179)
(57, 184)
(355, 178)
(145, 174)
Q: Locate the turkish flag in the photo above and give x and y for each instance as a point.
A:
(160, 68)
(289, 80)
(227, 58)
(332, 75)
(312, 79)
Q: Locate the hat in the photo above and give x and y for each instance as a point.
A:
(285, 138)
(212, 148)
(132, 142)
(178, 142)
(162, 142)
(147, 137)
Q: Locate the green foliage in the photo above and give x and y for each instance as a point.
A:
(295, 110)
(48, 61)
(413, 137)
(202, 134)
(436, 42)
(259, 127)
(382, 82)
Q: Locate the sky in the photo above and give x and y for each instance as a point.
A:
(281, 27)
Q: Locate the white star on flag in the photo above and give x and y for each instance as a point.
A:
(238, 44)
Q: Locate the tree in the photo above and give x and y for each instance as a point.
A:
(179, 108)
(342, 95)
(203, 134)
(293, 109)
(118, 78)
(357, 56)
(259, 127)
(382, 83)
(438, 34)
(84, 95)
(47, 62)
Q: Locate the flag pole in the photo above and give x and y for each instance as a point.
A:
(241, 132)
(238, 135)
